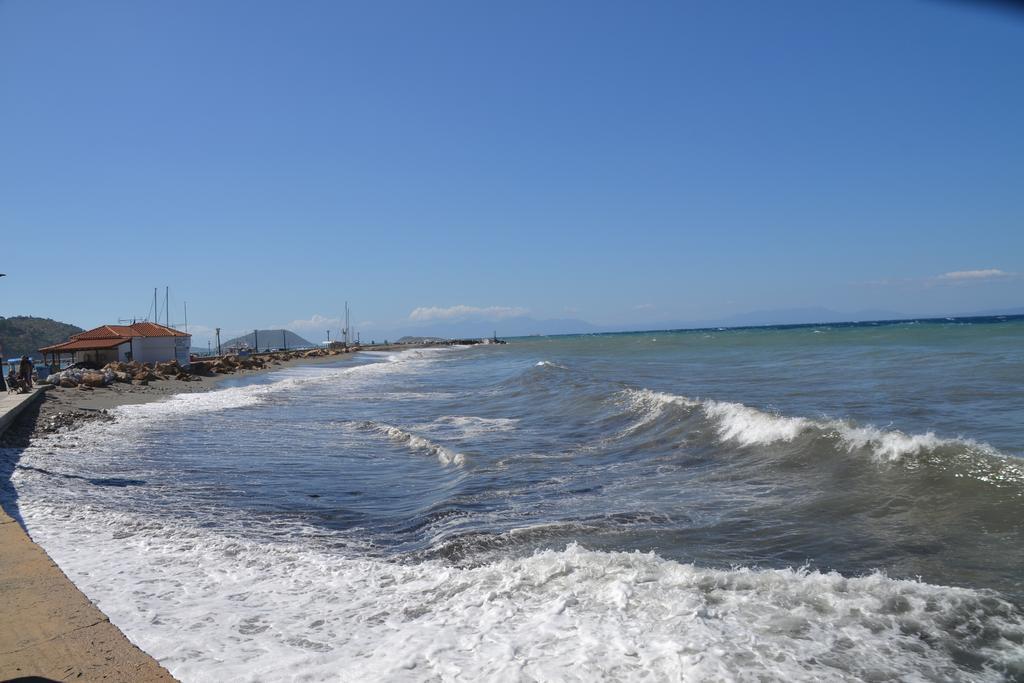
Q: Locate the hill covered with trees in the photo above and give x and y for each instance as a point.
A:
(22, 335)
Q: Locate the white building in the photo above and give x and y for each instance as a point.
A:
(145, 342)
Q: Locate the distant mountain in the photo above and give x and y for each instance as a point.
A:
(1019, 310)
(797, 316)
(523, 326)
(269, 339)
(23, 335)
(800, 316)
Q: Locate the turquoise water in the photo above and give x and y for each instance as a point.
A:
(835, 502)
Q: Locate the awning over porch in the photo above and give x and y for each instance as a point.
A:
(85, 345)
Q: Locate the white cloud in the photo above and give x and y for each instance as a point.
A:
(424, 313)
(954, 277)
(317, 322)
(974, 275)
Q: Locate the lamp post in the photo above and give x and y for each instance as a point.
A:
(3, 382)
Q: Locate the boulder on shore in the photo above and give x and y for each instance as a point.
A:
(93, 379)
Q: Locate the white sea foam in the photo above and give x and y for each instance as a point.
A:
(469, 426)
(186, 404)
(418, 443)
(892, 445)
(749, 426)
(549, 364)
(651, 405)
(646, 400)
(280, 382)
(214, 608)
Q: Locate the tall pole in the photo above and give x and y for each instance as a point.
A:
(256, 340)
(284, 340)
(218, 342)
(346, 325)
(167, 305)
(2, 346)
(156, 311)
(186, 316)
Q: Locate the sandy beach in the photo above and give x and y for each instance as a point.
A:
(51, 629)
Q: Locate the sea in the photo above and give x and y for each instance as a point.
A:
(838, 502)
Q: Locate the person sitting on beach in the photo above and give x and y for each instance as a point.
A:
(14, 382)
(25, 373)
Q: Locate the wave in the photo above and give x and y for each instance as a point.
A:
(746, 426)
(417, 443)
(749, 426)
(213, 607)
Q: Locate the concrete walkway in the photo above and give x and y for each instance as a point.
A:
(11, 405)
(48, 628)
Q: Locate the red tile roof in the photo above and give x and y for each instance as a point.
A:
(145, 329)
(85, 345)
(155, 330)
(112, 336)
(105, 332)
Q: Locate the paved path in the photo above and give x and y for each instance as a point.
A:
(11, 405)
(48, 628)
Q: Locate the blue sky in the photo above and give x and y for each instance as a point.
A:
(616, 162)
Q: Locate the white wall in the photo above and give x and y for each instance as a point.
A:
(153, 349)
(144, 350)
